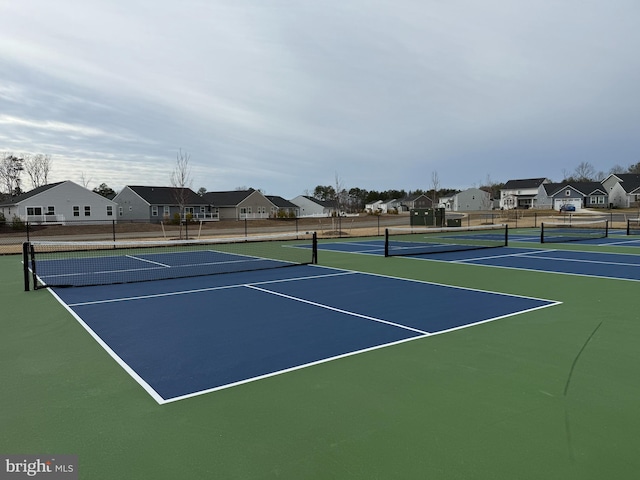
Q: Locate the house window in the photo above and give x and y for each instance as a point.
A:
(154, 211)
(87, 211)
(34, 210)
(76, 211)
(51, 210)
(167, 211)
(567, 193)
(109, 211)
(120, 211)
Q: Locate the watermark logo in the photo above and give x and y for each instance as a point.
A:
(49, 467)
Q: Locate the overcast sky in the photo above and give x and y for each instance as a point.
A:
(286, 95)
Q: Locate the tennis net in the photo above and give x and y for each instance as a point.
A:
(420, 240)
(68, 264)
(558, 232)
(633, 226)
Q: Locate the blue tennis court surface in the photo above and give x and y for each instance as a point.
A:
(595, 264)
(184, 337)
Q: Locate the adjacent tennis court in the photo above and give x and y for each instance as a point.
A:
(477, 245)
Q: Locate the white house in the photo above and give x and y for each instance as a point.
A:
(623, 189)
(374, 207)
(312, 207)
(467, 200)
(60, 202)
(521, 193)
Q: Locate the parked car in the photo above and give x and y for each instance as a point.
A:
(567, 207)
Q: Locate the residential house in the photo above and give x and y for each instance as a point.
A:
(241, 204)
(283, 208)
(374, 207)
(579, 194)
(312, 207)
(623, 189)
(384, 206)
(413, 202)
(157, 204)
(59, 202)
(521, 193)
(472, 199)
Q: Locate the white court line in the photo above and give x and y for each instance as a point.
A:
(599, 262)
(205, 289)
(148, 388)
(507, 255)
(133, 257)
(541, 254)
(287, 370)
(618, 243)
(339, 310)
(149, 269)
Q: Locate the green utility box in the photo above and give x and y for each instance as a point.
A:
(427, 217)
(454, 222)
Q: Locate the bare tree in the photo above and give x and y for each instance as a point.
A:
(181, 181)
(11, 168)
(584, 172)
(37, 168)
(340, 194)
(435, 186)
(84, 180)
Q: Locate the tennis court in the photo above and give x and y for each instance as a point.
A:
(357, 366)
(241, 327)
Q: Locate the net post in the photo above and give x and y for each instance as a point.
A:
(628, 227)
(606, 229)
(314, 248)
(386, 242)
(506, 234)
(25, 265)
(541, 232)
(32, 253)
